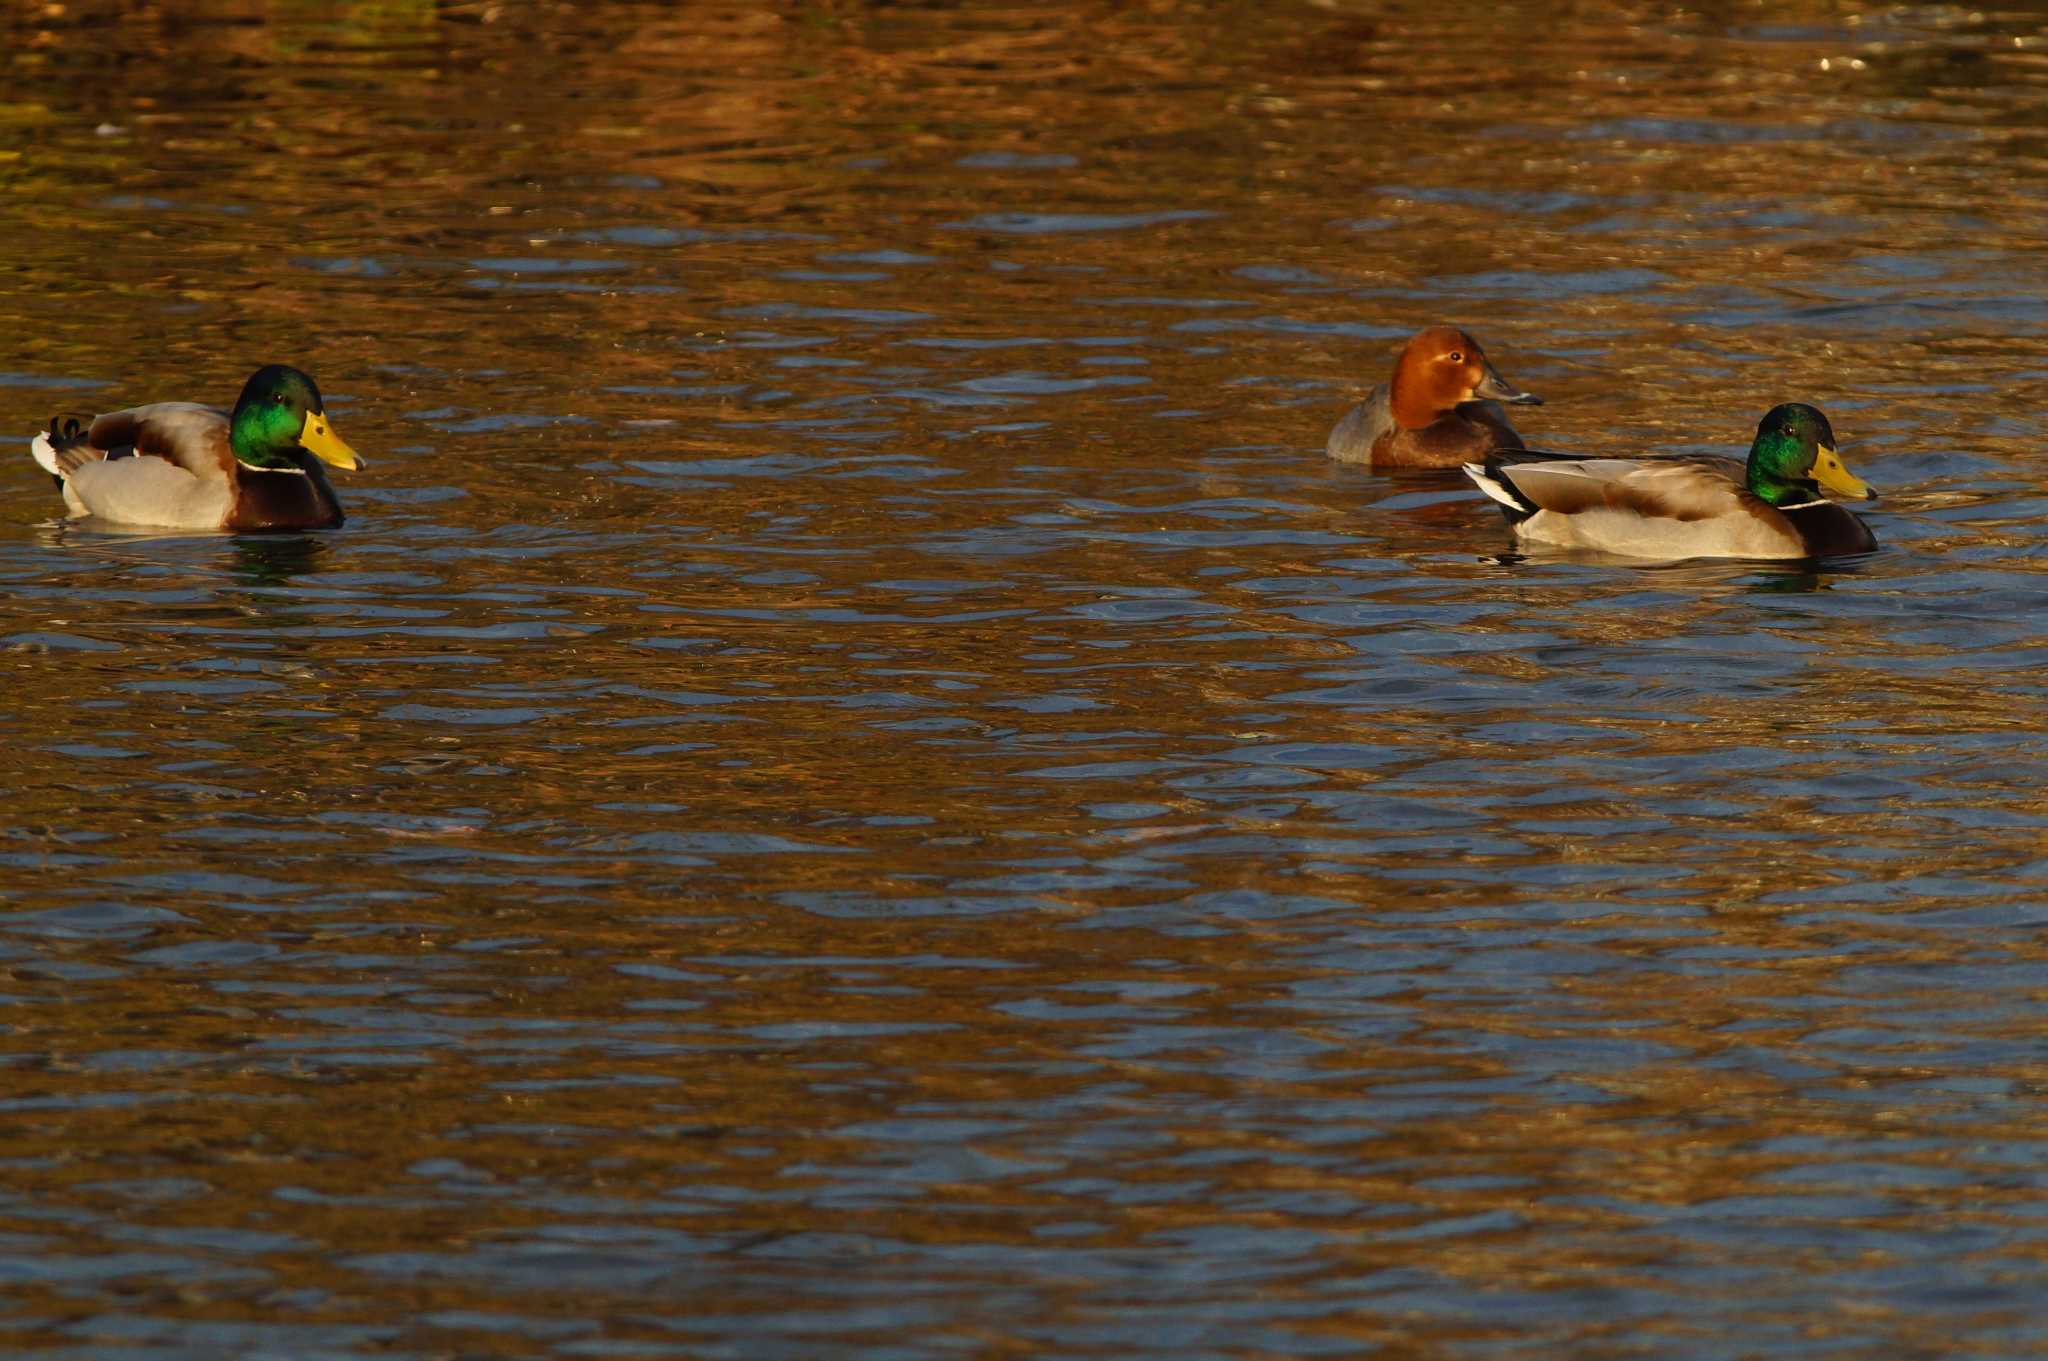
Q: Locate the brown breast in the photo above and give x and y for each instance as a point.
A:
(1828, 529)
(1465, 435)
(266, 500)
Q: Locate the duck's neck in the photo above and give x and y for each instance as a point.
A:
(1775, 471)
(262, 439)
(1413, 405)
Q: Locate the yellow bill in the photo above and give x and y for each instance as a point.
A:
(319, 439)
(1834, 476)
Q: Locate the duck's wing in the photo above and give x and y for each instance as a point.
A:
(185, 434)
(1647, 508)
(168, 463)
(1361, 428)
(1681, 489)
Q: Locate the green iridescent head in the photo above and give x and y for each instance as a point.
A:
(1793, 458)
(278, 416)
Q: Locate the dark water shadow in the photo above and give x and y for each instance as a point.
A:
(275, 559)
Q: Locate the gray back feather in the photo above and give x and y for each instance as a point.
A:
(1361, 428)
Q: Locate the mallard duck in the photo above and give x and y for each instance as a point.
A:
(1686, 507)
(1442, 408)
(180, 465)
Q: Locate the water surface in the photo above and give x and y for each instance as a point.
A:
(855, 784)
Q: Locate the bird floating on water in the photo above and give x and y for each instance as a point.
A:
(1771, 507)
(1442, 408)
(181, 465)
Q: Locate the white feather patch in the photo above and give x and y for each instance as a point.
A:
(46, 453)
(1477, 472)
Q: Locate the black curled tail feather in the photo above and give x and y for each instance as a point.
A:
(68, 446)
(67, 429)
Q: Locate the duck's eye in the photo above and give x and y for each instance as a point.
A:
(1457, 356)
(279, 399)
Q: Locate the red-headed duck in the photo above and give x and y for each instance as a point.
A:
(1443, 408)
(1690, 507)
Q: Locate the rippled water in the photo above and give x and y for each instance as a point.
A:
(857, 786)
